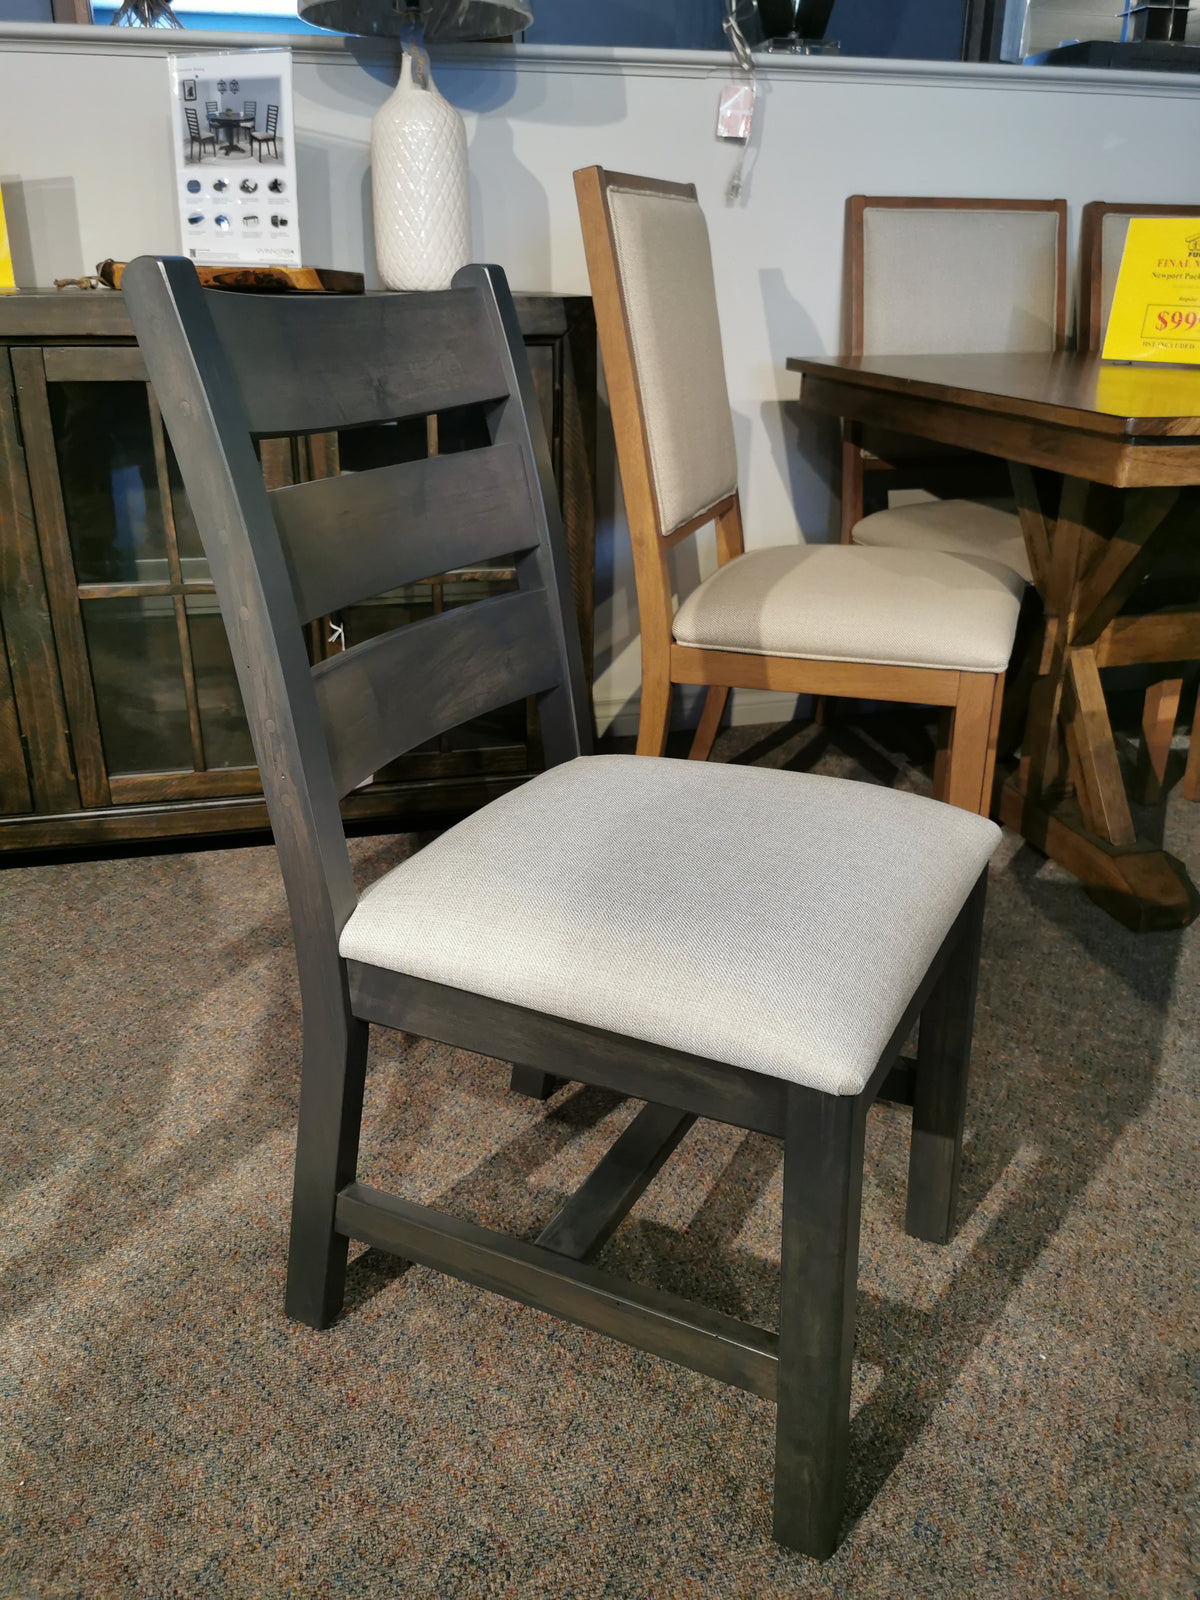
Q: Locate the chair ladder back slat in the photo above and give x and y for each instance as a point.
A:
(352, 537)
(466, 662)
(296, 379)
(201, 405)
(353, 713)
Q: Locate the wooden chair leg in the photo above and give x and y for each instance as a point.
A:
(536, 1084)
(973, 728)
(1190, 787)
(822, 1193)
(1159, 711)
(941, 757)
(331, 1098)
(710, 721)
(940, 1093)
(852, 489)
(654, 716)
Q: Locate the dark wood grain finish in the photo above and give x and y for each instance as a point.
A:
(25, 614)
(1062, 388)
(464, 508)
(289, 385)
(470, 660)
(76, 337)
(558, 1046)
(15, 794)
(314, 730)
(584, 1225)
(649, 1319)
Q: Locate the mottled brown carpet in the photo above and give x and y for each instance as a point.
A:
(1025, 1397)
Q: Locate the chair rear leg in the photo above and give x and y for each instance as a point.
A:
(532, 1081)
(822, 1195)
(940, 1094)
(1190, 787)
(654, 715)
(331, 1098)
(967, 774)
(710, 721)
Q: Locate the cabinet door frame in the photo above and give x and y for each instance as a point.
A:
(43, 750)
(35, 368)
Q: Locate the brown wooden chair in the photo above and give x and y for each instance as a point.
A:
(933, 276)
(1154, 629)
(721, 941)
(916, 626)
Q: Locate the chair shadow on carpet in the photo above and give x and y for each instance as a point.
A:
(1042, 1119)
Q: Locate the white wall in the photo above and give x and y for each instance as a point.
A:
(85, 163)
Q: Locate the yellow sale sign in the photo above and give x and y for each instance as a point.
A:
(1155, 312)
(6, 271)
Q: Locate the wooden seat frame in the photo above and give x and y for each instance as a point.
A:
(1159, 638)
(918, 463)
(964, 775)
(227, 368)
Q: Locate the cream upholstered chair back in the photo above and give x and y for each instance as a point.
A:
(1101, 242)
(947, 277)
(665, 277)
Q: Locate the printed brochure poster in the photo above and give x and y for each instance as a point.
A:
(235, 157)
(1155, 312)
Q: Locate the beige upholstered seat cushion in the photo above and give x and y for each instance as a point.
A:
(844, 602)
(960, 527)
(772, 920)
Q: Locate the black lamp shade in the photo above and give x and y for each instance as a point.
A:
(442, 19)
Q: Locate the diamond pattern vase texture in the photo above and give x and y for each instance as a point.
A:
(419, 192)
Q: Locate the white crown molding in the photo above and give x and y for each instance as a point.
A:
(326, 48)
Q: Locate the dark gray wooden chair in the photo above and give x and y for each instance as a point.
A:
(719, 941)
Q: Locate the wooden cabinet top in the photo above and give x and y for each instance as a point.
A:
(45, 316)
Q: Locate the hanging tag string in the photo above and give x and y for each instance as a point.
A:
(744, 57)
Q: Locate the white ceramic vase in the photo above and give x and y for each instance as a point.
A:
(419, 189)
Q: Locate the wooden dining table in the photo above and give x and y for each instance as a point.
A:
(1118, 493)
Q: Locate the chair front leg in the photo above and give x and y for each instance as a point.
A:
(822, 1195)
(331, 1099)
(940, 1094)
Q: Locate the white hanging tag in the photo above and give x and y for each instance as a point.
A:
(735, 112)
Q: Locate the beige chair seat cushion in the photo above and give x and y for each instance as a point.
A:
(905, 608)
(773, 920)
(960, 527)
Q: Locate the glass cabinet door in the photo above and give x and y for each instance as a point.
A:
(135, 614)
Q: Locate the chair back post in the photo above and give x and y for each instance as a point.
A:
(1093, 262)
(194, 386)
(226, 368)
(563, 709)
(651, 575)
(649, 536)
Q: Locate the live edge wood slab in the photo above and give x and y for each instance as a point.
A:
(1126, 442)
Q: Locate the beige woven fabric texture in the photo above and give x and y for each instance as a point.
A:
(772, 920)
(905, 608)
(960, 527)
(949, 282)
(665, 266)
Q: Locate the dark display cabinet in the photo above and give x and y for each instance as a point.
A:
(120, 716)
